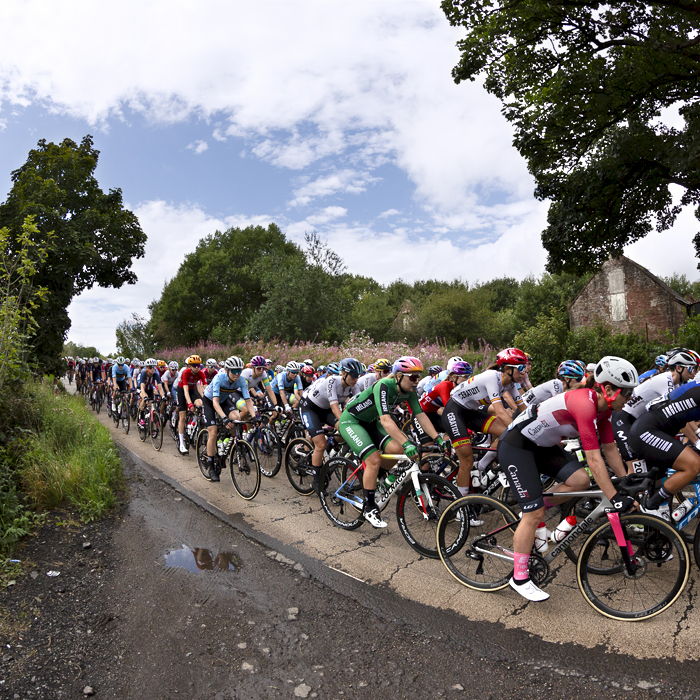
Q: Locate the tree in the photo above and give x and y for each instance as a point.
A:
(134, 338)
(88, 235)
(220, 285)
(682, 285)
(584, 84)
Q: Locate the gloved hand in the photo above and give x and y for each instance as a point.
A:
(622, 502)
(190, 407)
(440, 442)
(410, 450)
(287, 408)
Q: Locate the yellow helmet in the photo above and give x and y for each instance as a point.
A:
(194, 360)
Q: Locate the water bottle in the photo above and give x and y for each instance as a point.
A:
(541, 545)
(563, 529)
(220, 447)
(476, 478)
(682, 510)
(487, 477)
(389, 481)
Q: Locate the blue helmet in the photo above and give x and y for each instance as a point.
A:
(661, 360)
(571, 370)
(333, 368)
(352, 366)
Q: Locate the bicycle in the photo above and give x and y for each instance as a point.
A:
(630, 567)
(297, 460)
(422, 497)
(243, 462)
(121, 415)
(156, 423)
(268, 448)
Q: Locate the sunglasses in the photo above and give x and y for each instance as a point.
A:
(520, 368)
(195, 366)
(386, 372)
(354, 375)
(290, 372)
(414, 377)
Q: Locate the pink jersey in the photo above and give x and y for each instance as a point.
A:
(572, 414)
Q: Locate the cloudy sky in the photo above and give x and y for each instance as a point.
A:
(336, 116)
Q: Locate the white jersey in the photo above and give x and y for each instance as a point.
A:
(542, 392)
(253, 383)
(366, 380)
(648, 391)
(420, 389)
(328, 390)
(482, 389)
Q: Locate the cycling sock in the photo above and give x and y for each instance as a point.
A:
(369, 499)
(658, 498)
(521, 573)
(182, 438)
(463, 490)
(548, 503)
(486, 460)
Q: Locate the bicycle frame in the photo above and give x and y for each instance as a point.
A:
(693, 512)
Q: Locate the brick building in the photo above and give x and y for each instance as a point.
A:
(627, 297)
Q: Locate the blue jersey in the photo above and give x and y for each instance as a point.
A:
(679, 391)
(120, 373)
(648, 374)
(281, 381)
(221, 388)
(150, 380)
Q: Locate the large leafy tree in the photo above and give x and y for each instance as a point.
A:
(584, 84)
(89, 236)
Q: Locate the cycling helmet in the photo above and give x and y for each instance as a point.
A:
(293, 366)
(233, 363)
(120, 360)
(279, 369)
(307, 361)
(571, 370)
(150, 362)
(173, 366)
(351, 366)
(364, 367)
(333, 368)
(581, 364)
(268, 361)
(258, 361)
(461, 369)
(660, 360)
(137, 363)
(194, 360)
(307, 369)
(127, 361)
(211, 363)
(616, 371)
(436, 369)
(511, 356)
(162, 364)
(452, 360)
(407, 363)
(321, 369)
(684, 357)
(382, 364)
(371, 368)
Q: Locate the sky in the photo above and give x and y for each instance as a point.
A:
(334, 116)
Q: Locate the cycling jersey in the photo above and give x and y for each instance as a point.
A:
(365, 381)
(437, 397)
(542, 392)
(190, 379)
(222, 388)
(647, 374)
(563, 416)
(287, 384)
(379, 400)
(210, 374)
(169, 378)
(483, 389)
(149, 380)
(329, 390)
(670, 415)
(258, 384)
(121, 373)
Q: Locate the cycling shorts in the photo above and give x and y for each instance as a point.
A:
(459, 421)
(522, 461)
(123, 384)
(210, 414)
(622, 424)
(315, 417)
(363, 438)
(649, 442)
(182, 401)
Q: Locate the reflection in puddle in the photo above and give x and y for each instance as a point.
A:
(196, 560)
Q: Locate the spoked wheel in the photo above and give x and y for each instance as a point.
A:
(126, 418)
(475, 542)
(202, 461)
(116, 415)
(245, 470)
(297, 464)
(156, 431)
(142, 429)
(268, 448)
(341, 493)
(98, 401)
(173, 424)
(650, 583)
(417, 520)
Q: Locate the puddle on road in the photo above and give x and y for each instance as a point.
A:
(197, 560)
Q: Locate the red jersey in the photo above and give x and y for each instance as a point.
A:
(192, 378)
(437, 397)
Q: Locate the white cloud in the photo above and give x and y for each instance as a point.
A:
(344, 181)
(198, 146)
(388, 213)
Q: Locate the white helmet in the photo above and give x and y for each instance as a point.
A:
(234, 363)
(616, 371)
(293, 366)
(211, 363)
(173, 366)
(279, 369)
(452, 361)
(307, 361)
(150, 362)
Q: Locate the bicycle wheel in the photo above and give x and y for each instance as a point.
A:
(98, 401)
(173, 424)
(142, 427)
(341, 493)
(478, 556)
(116, 415)
(297, 464)
(245, 470)
(269, 450)
(201, 452)
(126, 418)
(661, 565)
(156, 432)
(440, 464)
(416, 530)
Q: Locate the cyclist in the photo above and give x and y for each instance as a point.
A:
(367, 427)
(169, 379)
(441, 376)
(432, 373)
(307, 377)
(136, 366)
(659, 364)
(286, 385)
(258, 381)
(268, 369)
(382, 368)
(321, 405)
(148, 379)
(433, 403)
(477, 406)
(121, 373)
(190, 378)
(681, 367)
(210, 370)
(531, 447)
(225, 397)
(162, 367)
(570, 375)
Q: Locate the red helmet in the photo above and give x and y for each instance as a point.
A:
(307, 369)
(511, 356)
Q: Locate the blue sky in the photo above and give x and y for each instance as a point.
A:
(337, 116)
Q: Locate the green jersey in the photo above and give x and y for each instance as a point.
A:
(378, 400)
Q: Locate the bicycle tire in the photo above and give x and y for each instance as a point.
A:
(440, 464)
(201, 452)
(156, 432)
(457, 548)
(269, 450)
(245, 470)
(581, 507)
(126, 420)
(173, 424)
(116, 415)
(142, 430)
(297, 462)
(657, 583)
(421, 534)
(333, 475)
(98, 402)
